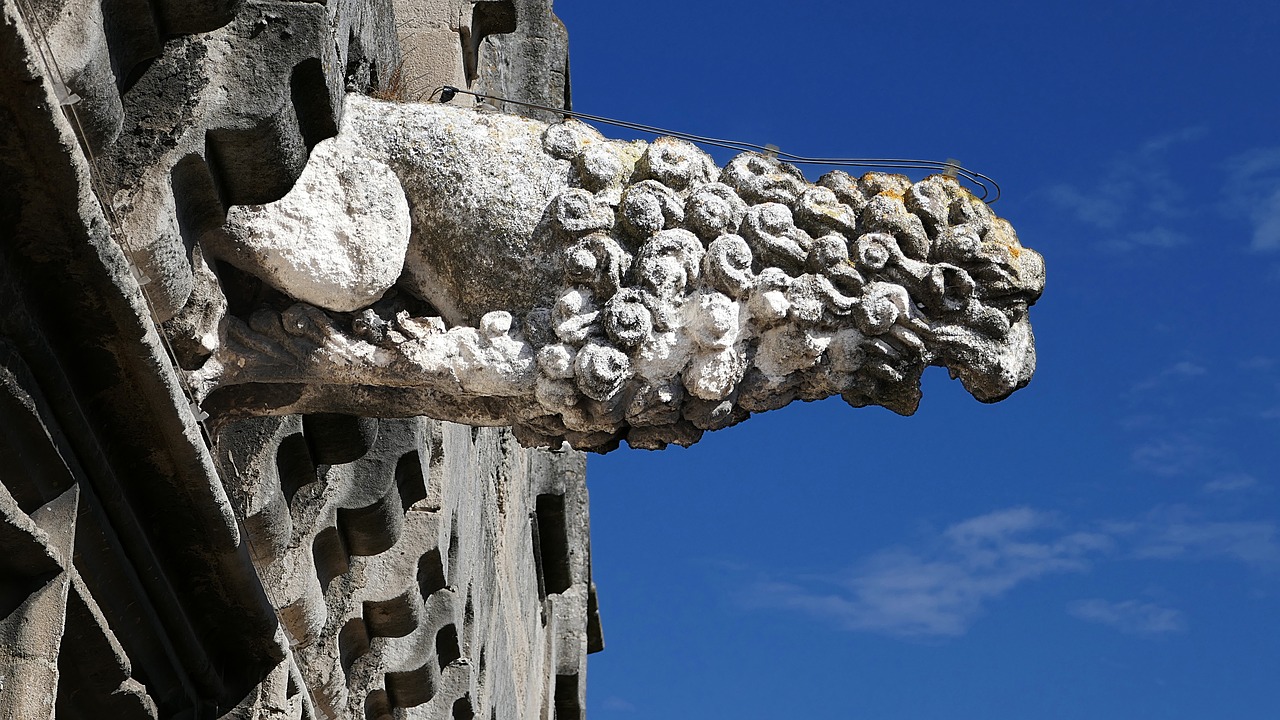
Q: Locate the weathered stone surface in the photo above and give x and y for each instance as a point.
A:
(566, 295)
(522, 53)
(438, 567)
(228, 115)
(475, 246)
(131, 585)
(102, 455)
(337, 240)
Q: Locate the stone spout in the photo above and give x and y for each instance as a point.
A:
(493, 270)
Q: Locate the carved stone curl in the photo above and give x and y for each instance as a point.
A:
(592, 290)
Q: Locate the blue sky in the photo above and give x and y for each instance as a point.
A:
(1104, 544)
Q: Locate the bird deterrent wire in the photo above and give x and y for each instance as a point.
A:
(989, 188)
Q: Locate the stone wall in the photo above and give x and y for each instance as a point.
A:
(419, 565)
(300, 567)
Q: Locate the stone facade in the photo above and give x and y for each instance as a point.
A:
(308, 566)
(444, 571)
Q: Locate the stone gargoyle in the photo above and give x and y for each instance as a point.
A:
(594, 290)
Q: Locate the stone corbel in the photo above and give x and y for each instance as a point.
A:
(495, 270)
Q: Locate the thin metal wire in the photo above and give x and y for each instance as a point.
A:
(54, 70)
(988, 186)
(115, 230)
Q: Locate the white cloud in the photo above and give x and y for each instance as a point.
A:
(1251, 165)
(1156, 237)
(1170, 456)
(1178, 371)
(1099, 208)
(617, 704)
(1130, 616)
(1253, 189)
(1176, 533)
(996, 526)
(1138, 201)
(1162, 143)
(1266, 223)
(1258, 362)
(1140, 421)
(940, 589)
(1231, 483)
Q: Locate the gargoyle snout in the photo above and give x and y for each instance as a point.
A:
(1030, 275)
